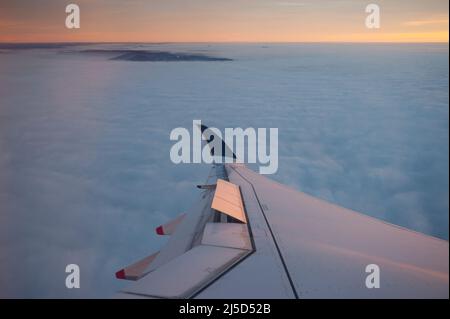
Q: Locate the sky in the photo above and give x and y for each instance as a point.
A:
(224, 21)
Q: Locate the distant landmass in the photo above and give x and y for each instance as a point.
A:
(31, 46)
(145, 55)
(116, 54)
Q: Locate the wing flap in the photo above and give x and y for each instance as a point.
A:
(201, 247)
(230, 235)
(186, 274)
(227, 199)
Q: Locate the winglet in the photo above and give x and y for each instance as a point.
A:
(209, 138)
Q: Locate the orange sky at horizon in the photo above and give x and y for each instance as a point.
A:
(224, 21)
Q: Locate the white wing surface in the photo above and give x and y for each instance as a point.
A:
(251, 237)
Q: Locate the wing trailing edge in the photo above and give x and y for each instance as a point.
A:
(203, 245)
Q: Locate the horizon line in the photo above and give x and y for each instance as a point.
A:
(225, 42)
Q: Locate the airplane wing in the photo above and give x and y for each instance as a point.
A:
(251, 237)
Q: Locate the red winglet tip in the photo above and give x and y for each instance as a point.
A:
(120, 274)
(159, 230)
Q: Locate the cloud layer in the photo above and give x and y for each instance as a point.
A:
(85, 173)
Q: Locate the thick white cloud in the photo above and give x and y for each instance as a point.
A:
(85, 173)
